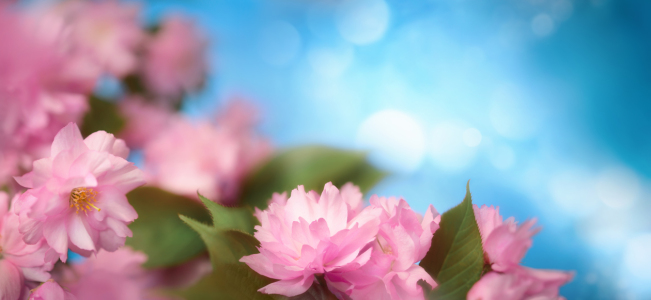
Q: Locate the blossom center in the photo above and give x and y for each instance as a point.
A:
(82, 198)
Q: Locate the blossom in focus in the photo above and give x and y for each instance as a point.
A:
(310, 235)
(144, 121)
(37, 97)
(108, 276)
(175, 58)
(76, 196)
(107, 32)
(505, 244)
(403, 240)
(212, 159)
(19, 262)
(50, 290)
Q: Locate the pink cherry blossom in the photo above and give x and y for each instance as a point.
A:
(505, 244)
(76, 197)
(175, 59)
(37, 98)
(311, 235)
(19, 262)
(520, 284)
(212, 159)
(50, 290)
(107, 32)
(108, 276)
(144, 121)
(403, 239)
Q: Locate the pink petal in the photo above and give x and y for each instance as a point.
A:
(68, 138)
(51, 290)
(56, 236)
(110, 241)
(430, 225)
(41, 172)
(4, 204)
(289, 288)
(12, 280)
(79, 234)
(106, 142)
(124, 176)
(90, 162)
(259, 263)
(115, 205)
(496, 286)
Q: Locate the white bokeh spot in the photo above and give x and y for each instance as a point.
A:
(448, 147)
(636, 256)
(618, 187)
(362, 21)
(472, 137)
(396, 140)
(542, 25)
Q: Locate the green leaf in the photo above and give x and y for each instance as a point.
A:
(311, 166)
(102, 115)
(159, 233)
(456, 258)
(224, 217)
(228, 241)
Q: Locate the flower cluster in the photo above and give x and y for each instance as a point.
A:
(359, 251)
(373, 252)
(505, 244)
(75, 201)
(210, 158)
(54, 57)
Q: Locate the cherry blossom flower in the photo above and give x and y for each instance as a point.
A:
(212, 159)
(108, 276)
(505, 244)
(175, 59)
(144, 121)
(403, 239)
(310, 235)
(76, 197)
(37, 97)
(19, 262)
(50, 290)
(107, 32)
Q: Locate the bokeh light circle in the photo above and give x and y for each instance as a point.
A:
(362, 21)
(396, 140)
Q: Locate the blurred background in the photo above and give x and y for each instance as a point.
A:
(544, 105)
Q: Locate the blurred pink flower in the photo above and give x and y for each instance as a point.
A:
(175, 58)
(310, 235)
(50, 290)
(37, 98)
(18, 261)
(108, 276)
(212, 159)
(107, 32)
(520, 284)
(505, 244)
(144, 121)
(403, 240)
(76, 197)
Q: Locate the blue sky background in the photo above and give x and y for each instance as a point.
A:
(544, 104)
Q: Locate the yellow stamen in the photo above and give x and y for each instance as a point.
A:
(82, 198)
